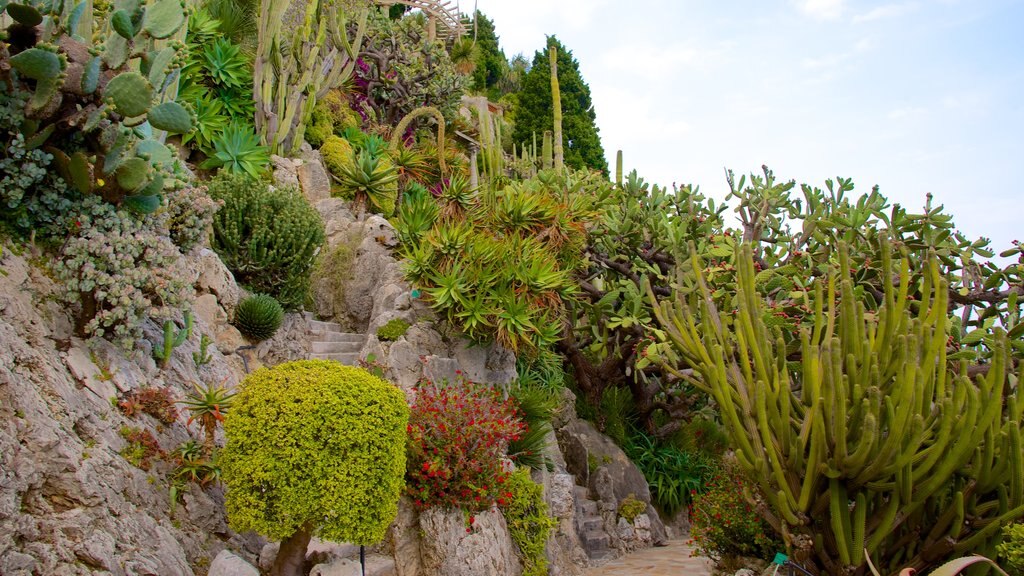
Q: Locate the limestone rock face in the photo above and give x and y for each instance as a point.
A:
(313, 178)
(70, 503)
(285, 171)
(449, 550)
(598, 464)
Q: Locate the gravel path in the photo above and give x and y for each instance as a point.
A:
(672, 560)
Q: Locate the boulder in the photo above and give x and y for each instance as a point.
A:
(450, 549)
(215, 278)
(285, 171)
(313, 178)
(228, 564)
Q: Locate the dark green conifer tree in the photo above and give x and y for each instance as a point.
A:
(533, 113)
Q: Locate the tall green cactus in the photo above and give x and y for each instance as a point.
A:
(116, 99)
(295, 68)
(556, 103)
(865, 438)
(403, 125)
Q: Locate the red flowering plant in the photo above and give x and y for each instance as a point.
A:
(458, 435)
(724, 524)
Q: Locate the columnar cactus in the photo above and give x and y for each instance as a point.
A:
(864, 439)
(294, 69)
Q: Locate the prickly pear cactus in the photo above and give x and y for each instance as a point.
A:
(112, 82)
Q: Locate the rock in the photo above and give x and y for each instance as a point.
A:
(449, 550)
(321, 552)
(313, 178)
(228, 564)
(229, 339)
(285, 171)
(88, 374)
(97, 550)
(404, 540)
(745, 572)
(376, 565)
(268, 554)
(215, 278)
(290, 342)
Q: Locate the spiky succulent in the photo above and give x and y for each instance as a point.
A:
(258, 317)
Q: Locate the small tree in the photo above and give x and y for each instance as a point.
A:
(314, 448)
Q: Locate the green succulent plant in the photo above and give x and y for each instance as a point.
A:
(393, 330)
(238, 150)
(258, 317)
(372, 179)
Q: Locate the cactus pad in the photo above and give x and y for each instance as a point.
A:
(80, 171)
(121, 22)
(38, 63)
(163, 18)
(141, 204)
(25, 14)
(158, 66)
(134, 173)
(132, 94)
(91, 75)
(154, 152)
(171, 117)
(115, 52)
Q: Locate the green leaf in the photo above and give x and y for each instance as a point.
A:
(142, 204)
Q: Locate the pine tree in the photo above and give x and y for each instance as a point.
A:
(533, 113)
(490, 61)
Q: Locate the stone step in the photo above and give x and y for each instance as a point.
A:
(593, 523)
(321, 326)
(332, 336)
(594, 541)
(346, 359)
(587, 507)
(376, 565)
(343, 347)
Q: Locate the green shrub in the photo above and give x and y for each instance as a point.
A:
(315, 444)
(258, 317)
(528, 521)
(337, 154)
(393, 330)
(535, 407)
(702, 435)
(673, 475)
(630, 508)
(268, 238)
(724, 524)
(1011, 549)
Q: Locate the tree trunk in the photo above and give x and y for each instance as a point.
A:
(292, 555)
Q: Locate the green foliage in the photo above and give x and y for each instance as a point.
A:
(491, 64)
(393, 330)
(98, 136)
(371, 178)
(119, 270)
(630, 508)
(535, 407)
(296, 67)
(498, 264)
(400, 70)
(203, 357)
(1011, 549)
(723, 522)
(208, 404)
(238, 150)
(258, 317)
(267, 238)
(173, 337)
(338, 155)
(673, 475)
(315, 442)
(529, 524)
(533, 112)
(848, 423)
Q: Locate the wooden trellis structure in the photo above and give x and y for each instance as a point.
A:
(444, 12)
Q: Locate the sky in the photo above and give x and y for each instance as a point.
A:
(915, 96)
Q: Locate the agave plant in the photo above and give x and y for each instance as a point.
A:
(226, 65)
(211, 121)
(208, 405)
(239, 151)
(371, 179)
(416, 215)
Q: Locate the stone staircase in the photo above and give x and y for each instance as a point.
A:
(331, 342)
(590, 526)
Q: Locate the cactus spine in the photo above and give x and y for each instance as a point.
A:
(874, 442)
(289, 78)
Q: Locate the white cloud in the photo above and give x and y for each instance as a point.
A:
(902, 113)
(822, 9)
(652, 61)
(885, 11)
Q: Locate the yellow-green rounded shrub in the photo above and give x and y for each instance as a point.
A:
(315, 442)
(337, 154)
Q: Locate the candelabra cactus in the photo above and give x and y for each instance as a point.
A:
(294, 69)
(114, 84)
(864, 439)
